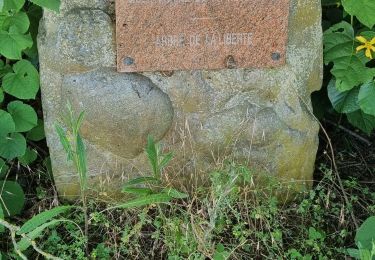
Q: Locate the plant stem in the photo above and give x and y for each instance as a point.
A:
(13, 229)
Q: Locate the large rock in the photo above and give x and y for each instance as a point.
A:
(258, 117)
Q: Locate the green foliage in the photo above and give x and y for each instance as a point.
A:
(12, 146)
(73, 145)
(144, 201)
(2, 216)
(362, 9)
(19, 80)
(365, 240)
(148, 189)
(12, 198)
(349, 48)
(24, 116)
(158, 161)
(50, 4)
(13, 42)
(345, 101)
(42, 218)
(24, 82)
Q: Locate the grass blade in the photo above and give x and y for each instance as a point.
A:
(42, 218)
(144, 201)
(141, 180)
(137, 191)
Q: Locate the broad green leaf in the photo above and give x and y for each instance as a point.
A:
(19, 20)
(13, 5)
(12, 146)
(353, 253)
(12, 196)
(12, 43)
(350, 72)
(366, 98)
(24, 116)
(37, 133)
(362, 121)
(7, 124)
(366, 233)
(141, 180)
(175, 193)
(43, 218)
(29, 157)
(24, 82)
(364, 10)
(3, 168)
(137, 191)
(37, 232)
(338, 42)
(50, 4)
(349, 67)
(143, 201)
(343, 102)
(2, 228)
(1, 95)
(1, 9)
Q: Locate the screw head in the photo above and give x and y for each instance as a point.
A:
(128, 61)
(230, 62)
(276, 56)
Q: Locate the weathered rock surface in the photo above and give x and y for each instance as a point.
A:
(258, 117)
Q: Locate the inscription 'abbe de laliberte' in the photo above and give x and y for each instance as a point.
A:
(167, 35)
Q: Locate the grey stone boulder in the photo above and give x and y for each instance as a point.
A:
(260, 118)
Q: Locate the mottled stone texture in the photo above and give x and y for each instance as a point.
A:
(258, 117)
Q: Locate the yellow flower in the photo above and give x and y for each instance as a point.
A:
(368, 45)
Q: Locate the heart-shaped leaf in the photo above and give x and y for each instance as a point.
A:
(366, 233)
(24, 82)
(7, 124)
(364, 10)
(29, 157)
(37, 133)
(343, 102)
(12, 196)
(24, 116)
(20, 20)
(12, 43)
(13, 5)
(12, 146)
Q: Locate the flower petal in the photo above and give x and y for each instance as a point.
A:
(368, 53)
(372, 48)
(361, 39)
(372, 42)
(361, 47)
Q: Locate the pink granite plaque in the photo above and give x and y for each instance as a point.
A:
(168, 35)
